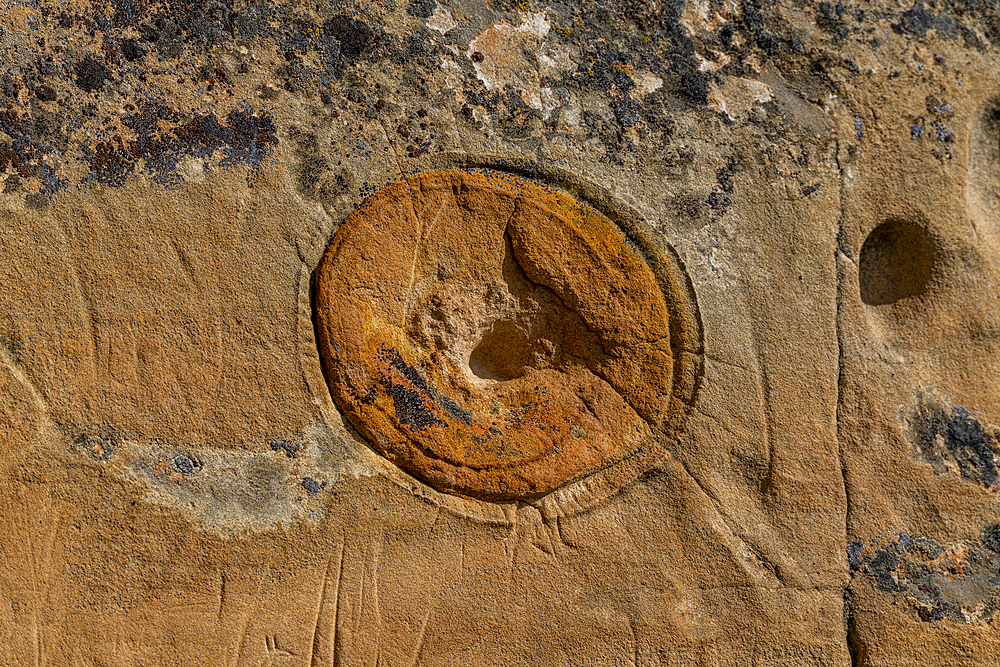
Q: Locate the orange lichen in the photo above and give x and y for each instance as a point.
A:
(492, 336)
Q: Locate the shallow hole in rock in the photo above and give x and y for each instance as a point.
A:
(501, 355)
(530, 337)
(897, 262)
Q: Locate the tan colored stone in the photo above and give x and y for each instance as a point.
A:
(178, 484)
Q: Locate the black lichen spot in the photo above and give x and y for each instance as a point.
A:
(309, 173)
(13, 182)
(830, 22)
(927, 548)
(312, 486)
(990, 537)
(691, 212)
(944, 135)
(939, 107)
(184, 465)
(131, 50)
(724, 175)
(720, 198)
(355, 37)
(971, 39)
(32, 139)
(421, 8)
(45, 93)
(719, 201)
(695, 86)
(958, 438)
(931, 614)
(454, 409)
(880, 568)
(91, 73)
(409, 372)
(756, 29)
(941, 583)
(605, 70)
(111, 162)
(48, 127)
(411, 398)
(918, 20)
(854, 556)
(945, 27)
(290, 448)
(410, 407)
(968, 443)
(626, 111)
(163, 139)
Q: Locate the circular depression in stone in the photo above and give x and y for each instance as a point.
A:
(497, 338)
(897, 261)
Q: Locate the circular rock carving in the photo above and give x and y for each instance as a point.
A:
(498, 339)
(897, 260)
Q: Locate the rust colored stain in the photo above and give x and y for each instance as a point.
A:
(497, 338)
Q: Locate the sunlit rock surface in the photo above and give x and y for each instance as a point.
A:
(180, 486)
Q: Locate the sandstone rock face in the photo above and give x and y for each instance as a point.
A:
(724, 275)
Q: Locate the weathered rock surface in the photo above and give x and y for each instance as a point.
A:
(802, 199)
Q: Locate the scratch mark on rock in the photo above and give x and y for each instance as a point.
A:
(324, 639)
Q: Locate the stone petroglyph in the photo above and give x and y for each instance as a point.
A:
(497, 338)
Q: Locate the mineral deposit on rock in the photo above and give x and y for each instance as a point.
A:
(454, 332)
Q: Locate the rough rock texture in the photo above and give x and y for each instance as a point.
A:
(180, 487)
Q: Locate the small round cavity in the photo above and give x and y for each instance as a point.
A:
(897, 262)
